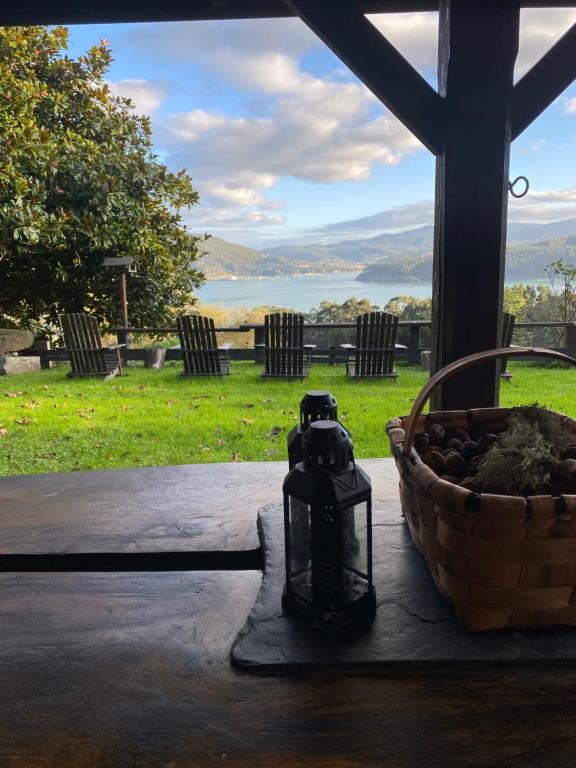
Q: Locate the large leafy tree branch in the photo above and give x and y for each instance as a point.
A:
(79, 181)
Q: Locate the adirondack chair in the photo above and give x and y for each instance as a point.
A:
(373, 354)
(84, 346)
(507, 330)
(200, 351)
(285, 354)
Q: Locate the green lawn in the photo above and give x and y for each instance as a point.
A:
(51, 424)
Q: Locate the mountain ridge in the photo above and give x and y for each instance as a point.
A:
(409, 253)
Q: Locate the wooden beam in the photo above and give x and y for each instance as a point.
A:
(478, 47)
(554, 72)
(375, 61)
(115, 11)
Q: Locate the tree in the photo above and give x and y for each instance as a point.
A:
(79, 181)
(332, 312)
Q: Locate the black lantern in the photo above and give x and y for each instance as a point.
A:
(328, 532)
(315, 405)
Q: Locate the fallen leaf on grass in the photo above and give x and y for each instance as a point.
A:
(223, 397)
(247, 422)
(171, 402)
(235, 456)
(3, 431)
(220, 443)
(31, 404)
(201, 397)
(13, 394)
(274, 432)
(267, 402)
(247, 405)
(271, 452)
(85, 413)
(24, 421)
(45, 386)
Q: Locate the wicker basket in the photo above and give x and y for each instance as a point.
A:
(502, 561)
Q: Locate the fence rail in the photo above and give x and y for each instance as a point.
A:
(409, 333)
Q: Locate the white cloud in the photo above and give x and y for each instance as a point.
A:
(552, 195)
(286, 121)
(415, 35)
(146, 95)
(319, 131)
(537, 206)
(540, 28)
(570, 106)
(538, 145)
(399, 217)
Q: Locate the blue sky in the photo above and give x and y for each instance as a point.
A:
(285, 145)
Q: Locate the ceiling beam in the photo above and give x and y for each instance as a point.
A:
(375, 61)
(544, 82)
(115, 11)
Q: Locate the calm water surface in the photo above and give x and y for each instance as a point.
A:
(307, 291)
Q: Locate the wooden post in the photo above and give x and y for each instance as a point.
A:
(124, 305)
(477, 49)
(123, 299)
(43, 347)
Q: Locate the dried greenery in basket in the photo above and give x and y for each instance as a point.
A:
(529, 457)
(536, 454)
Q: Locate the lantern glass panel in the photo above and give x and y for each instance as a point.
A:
(300, 552)
(355, 549)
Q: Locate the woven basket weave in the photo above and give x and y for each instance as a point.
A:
(502, 561)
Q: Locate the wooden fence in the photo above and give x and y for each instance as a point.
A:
(410, 333)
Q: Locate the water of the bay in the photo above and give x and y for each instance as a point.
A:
(303, 292)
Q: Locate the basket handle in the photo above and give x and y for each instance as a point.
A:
(452, 369)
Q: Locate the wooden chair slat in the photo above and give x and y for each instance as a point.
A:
(200, 353)
(88, 357)
(373, 356)
(284, 355)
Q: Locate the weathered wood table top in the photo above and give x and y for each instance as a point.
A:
(130, 668)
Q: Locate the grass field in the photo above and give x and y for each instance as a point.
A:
(49, 423)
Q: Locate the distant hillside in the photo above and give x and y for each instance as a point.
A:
(524, 261)
(386, 257)
(224, 259)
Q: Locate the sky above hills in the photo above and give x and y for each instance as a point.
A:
(285, 145)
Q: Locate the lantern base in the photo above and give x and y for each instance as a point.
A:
(356, 615)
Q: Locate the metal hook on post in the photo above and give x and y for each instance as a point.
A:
(512, 184)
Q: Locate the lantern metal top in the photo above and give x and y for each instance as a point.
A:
(318, 404)
(327, 446)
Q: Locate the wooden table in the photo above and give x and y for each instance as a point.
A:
(130, 668)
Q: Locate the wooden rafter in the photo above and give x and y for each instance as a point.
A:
(544, 82)
(377, 63)
(111, 11)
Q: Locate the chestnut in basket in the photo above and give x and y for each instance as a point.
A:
(469, 450)
(436, 432)
(565, 475)
(435, 461)
(486, 442)
(454, 444)
(459, 434)
(455, 465)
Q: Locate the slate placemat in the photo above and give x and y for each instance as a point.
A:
(415, 629)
